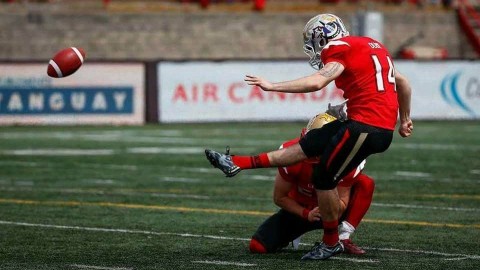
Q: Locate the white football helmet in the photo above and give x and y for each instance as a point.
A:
(318, 31)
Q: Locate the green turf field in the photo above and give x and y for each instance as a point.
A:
(146, 198)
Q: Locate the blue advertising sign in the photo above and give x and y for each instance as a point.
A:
(98, 93)
(462, 90)
(66, 100)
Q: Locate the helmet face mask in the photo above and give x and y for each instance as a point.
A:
(318, 32)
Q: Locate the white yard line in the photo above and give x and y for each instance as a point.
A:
(405, 177)
(433, 146)
(129, 137)
(82, 266)
(166, 150)
(179, 179)
(100, 181)
(24, 183)
(225, 263)
(186, 196)
(476, 257)
(398, 205)
(18, 163)
(196, 169)
(109, 191)
(26, 186)
(108, 166)
(475, 171)
(355, 260)
(260, 177)
(177, 137)
(215, 237)
(412, 174)
(58, 152)
(455, 259)
(84, 165)
(104, 152)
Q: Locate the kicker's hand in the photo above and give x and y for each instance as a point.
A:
(406, 128)
(259, 81)
(338, 111)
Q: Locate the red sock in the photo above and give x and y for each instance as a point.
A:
(330, 232)
(360, 200)
(251, 162)
(257, 247)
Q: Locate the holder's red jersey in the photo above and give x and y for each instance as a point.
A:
(368, 80)
(300, 175)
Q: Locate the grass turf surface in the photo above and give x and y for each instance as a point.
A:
(146, 198)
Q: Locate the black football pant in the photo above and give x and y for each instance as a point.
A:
(342, 146)
(277, 231)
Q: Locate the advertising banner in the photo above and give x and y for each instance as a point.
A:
(443, 90)
(215, 91)
(96, 94)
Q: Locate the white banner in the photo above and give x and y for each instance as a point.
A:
(215, 91)
(96, 94)
(443, 90)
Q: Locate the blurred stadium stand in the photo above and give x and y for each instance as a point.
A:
(219, 29)
(469, 17)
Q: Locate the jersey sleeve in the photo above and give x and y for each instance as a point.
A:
(335, 51)
(290, 173)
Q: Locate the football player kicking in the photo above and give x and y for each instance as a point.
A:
(295, 194)
(377, 95)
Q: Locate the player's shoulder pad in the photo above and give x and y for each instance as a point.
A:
(336, 43)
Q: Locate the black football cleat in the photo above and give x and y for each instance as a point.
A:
(321, 251)
(223, 162)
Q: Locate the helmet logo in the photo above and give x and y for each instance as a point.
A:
(330, 29)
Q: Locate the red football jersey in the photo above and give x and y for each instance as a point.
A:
(368, 80)
(300, 175)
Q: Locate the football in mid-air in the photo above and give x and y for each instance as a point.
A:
(66, 62)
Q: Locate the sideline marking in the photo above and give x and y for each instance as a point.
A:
(100, 181)
(180, 193)
(219, 211)
(88, 165)
(446, 196)
(453, 196)
(434, 146)
(139, 206)
(58, 152)
(165, 150)
(215, 237)
(261, 177)
(355, 260)
(455, 259)
(225, 263)
(18, 163)
(477, 257)
(399, 205)
(179, 179)
(83, 266)
(412, 174)
(173, 195)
